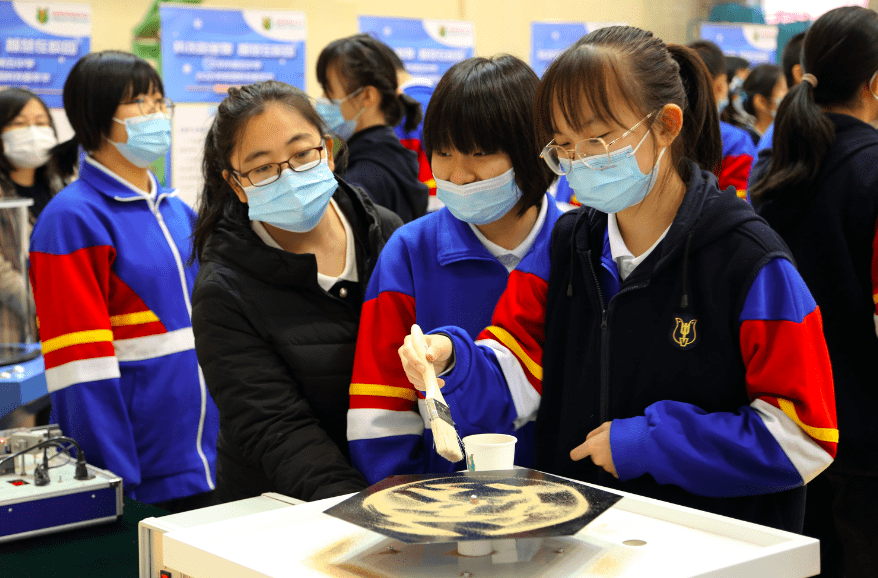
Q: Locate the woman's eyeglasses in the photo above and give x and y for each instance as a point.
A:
(593, 152)
(300, 162)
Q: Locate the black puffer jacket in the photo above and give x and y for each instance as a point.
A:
(277, 353)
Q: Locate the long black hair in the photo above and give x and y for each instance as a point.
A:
(12, 101)
(841, 51)
(94, 89)
(218, 203)
(648, 74)
(362, 60)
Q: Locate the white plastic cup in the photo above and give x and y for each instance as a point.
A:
(486, 452)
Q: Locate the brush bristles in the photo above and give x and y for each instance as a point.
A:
(444, 435)
(445, 438)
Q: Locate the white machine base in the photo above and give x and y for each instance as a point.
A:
(636, 537)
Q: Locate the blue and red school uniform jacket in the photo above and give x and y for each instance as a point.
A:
(739, 152)
(112, 289)
(433, 271)
(421, 90)
(709, 361)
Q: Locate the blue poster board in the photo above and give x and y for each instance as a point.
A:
(205, 51)
(754, 42)
(40, 43)
(428, 48)
(549, 39)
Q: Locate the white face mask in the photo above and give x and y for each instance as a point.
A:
(28, 147)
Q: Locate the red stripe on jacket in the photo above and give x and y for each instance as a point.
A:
(81, 277)
(521, 312)
(792, 364)
(875, 270)
(384, 323)
(734, 172)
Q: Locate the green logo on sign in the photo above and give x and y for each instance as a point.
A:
(43, 15)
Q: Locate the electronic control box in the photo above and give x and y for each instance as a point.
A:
(34, 503)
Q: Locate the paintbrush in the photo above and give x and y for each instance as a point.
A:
(444, 435)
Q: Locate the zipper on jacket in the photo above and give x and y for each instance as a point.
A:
(605, 346)
(154, 208)
(606, 308)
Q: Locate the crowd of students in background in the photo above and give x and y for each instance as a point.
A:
(701, 330)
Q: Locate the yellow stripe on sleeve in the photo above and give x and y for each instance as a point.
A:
(138, 318)
(818, 433)
(383, 391)
(875, 298)
(77, 338)
(505, 338)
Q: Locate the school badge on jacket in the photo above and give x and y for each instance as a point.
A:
(683, 333)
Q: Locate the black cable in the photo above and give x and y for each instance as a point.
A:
(81, 470)
(41, 473)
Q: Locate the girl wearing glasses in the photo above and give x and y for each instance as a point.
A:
(821, 195)
(450, 267)
(286, 249)
(671, 349)
(362, 104)
(113, 293)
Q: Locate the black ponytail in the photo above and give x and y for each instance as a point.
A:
(700, 138)
(840, 51)
(411, 112)
(362, 60)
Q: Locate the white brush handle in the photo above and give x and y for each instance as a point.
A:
(429, 373)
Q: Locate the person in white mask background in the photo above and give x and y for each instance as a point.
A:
(450, 267)
(286, 250)
(820, 193)
(666, 344)
(28, 170)
(113, 292)
(27, 166)
(361, 104)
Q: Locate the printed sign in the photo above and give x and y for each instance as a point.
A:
(756, 43)
(40, 43)
(428, 48)
(206, 51)
(549, 39)
(188, 132)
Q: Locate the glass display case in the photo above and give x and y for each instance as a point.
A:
(19, 340)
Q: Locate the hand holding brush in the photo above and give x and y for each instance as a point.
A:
(444, 435)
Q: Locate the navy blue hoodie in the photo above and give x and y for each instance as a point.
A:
(830, 226)
(388, 171)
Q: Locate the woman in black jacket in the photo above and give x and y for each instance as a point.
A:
(821, 194)
(362, 106)
(286, 250)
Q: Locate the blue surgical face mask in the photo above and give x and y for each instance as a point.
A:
(721, 105)
(481, 202)
(149, 138)
(612, 187)
(330, 111)
(296, 201)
